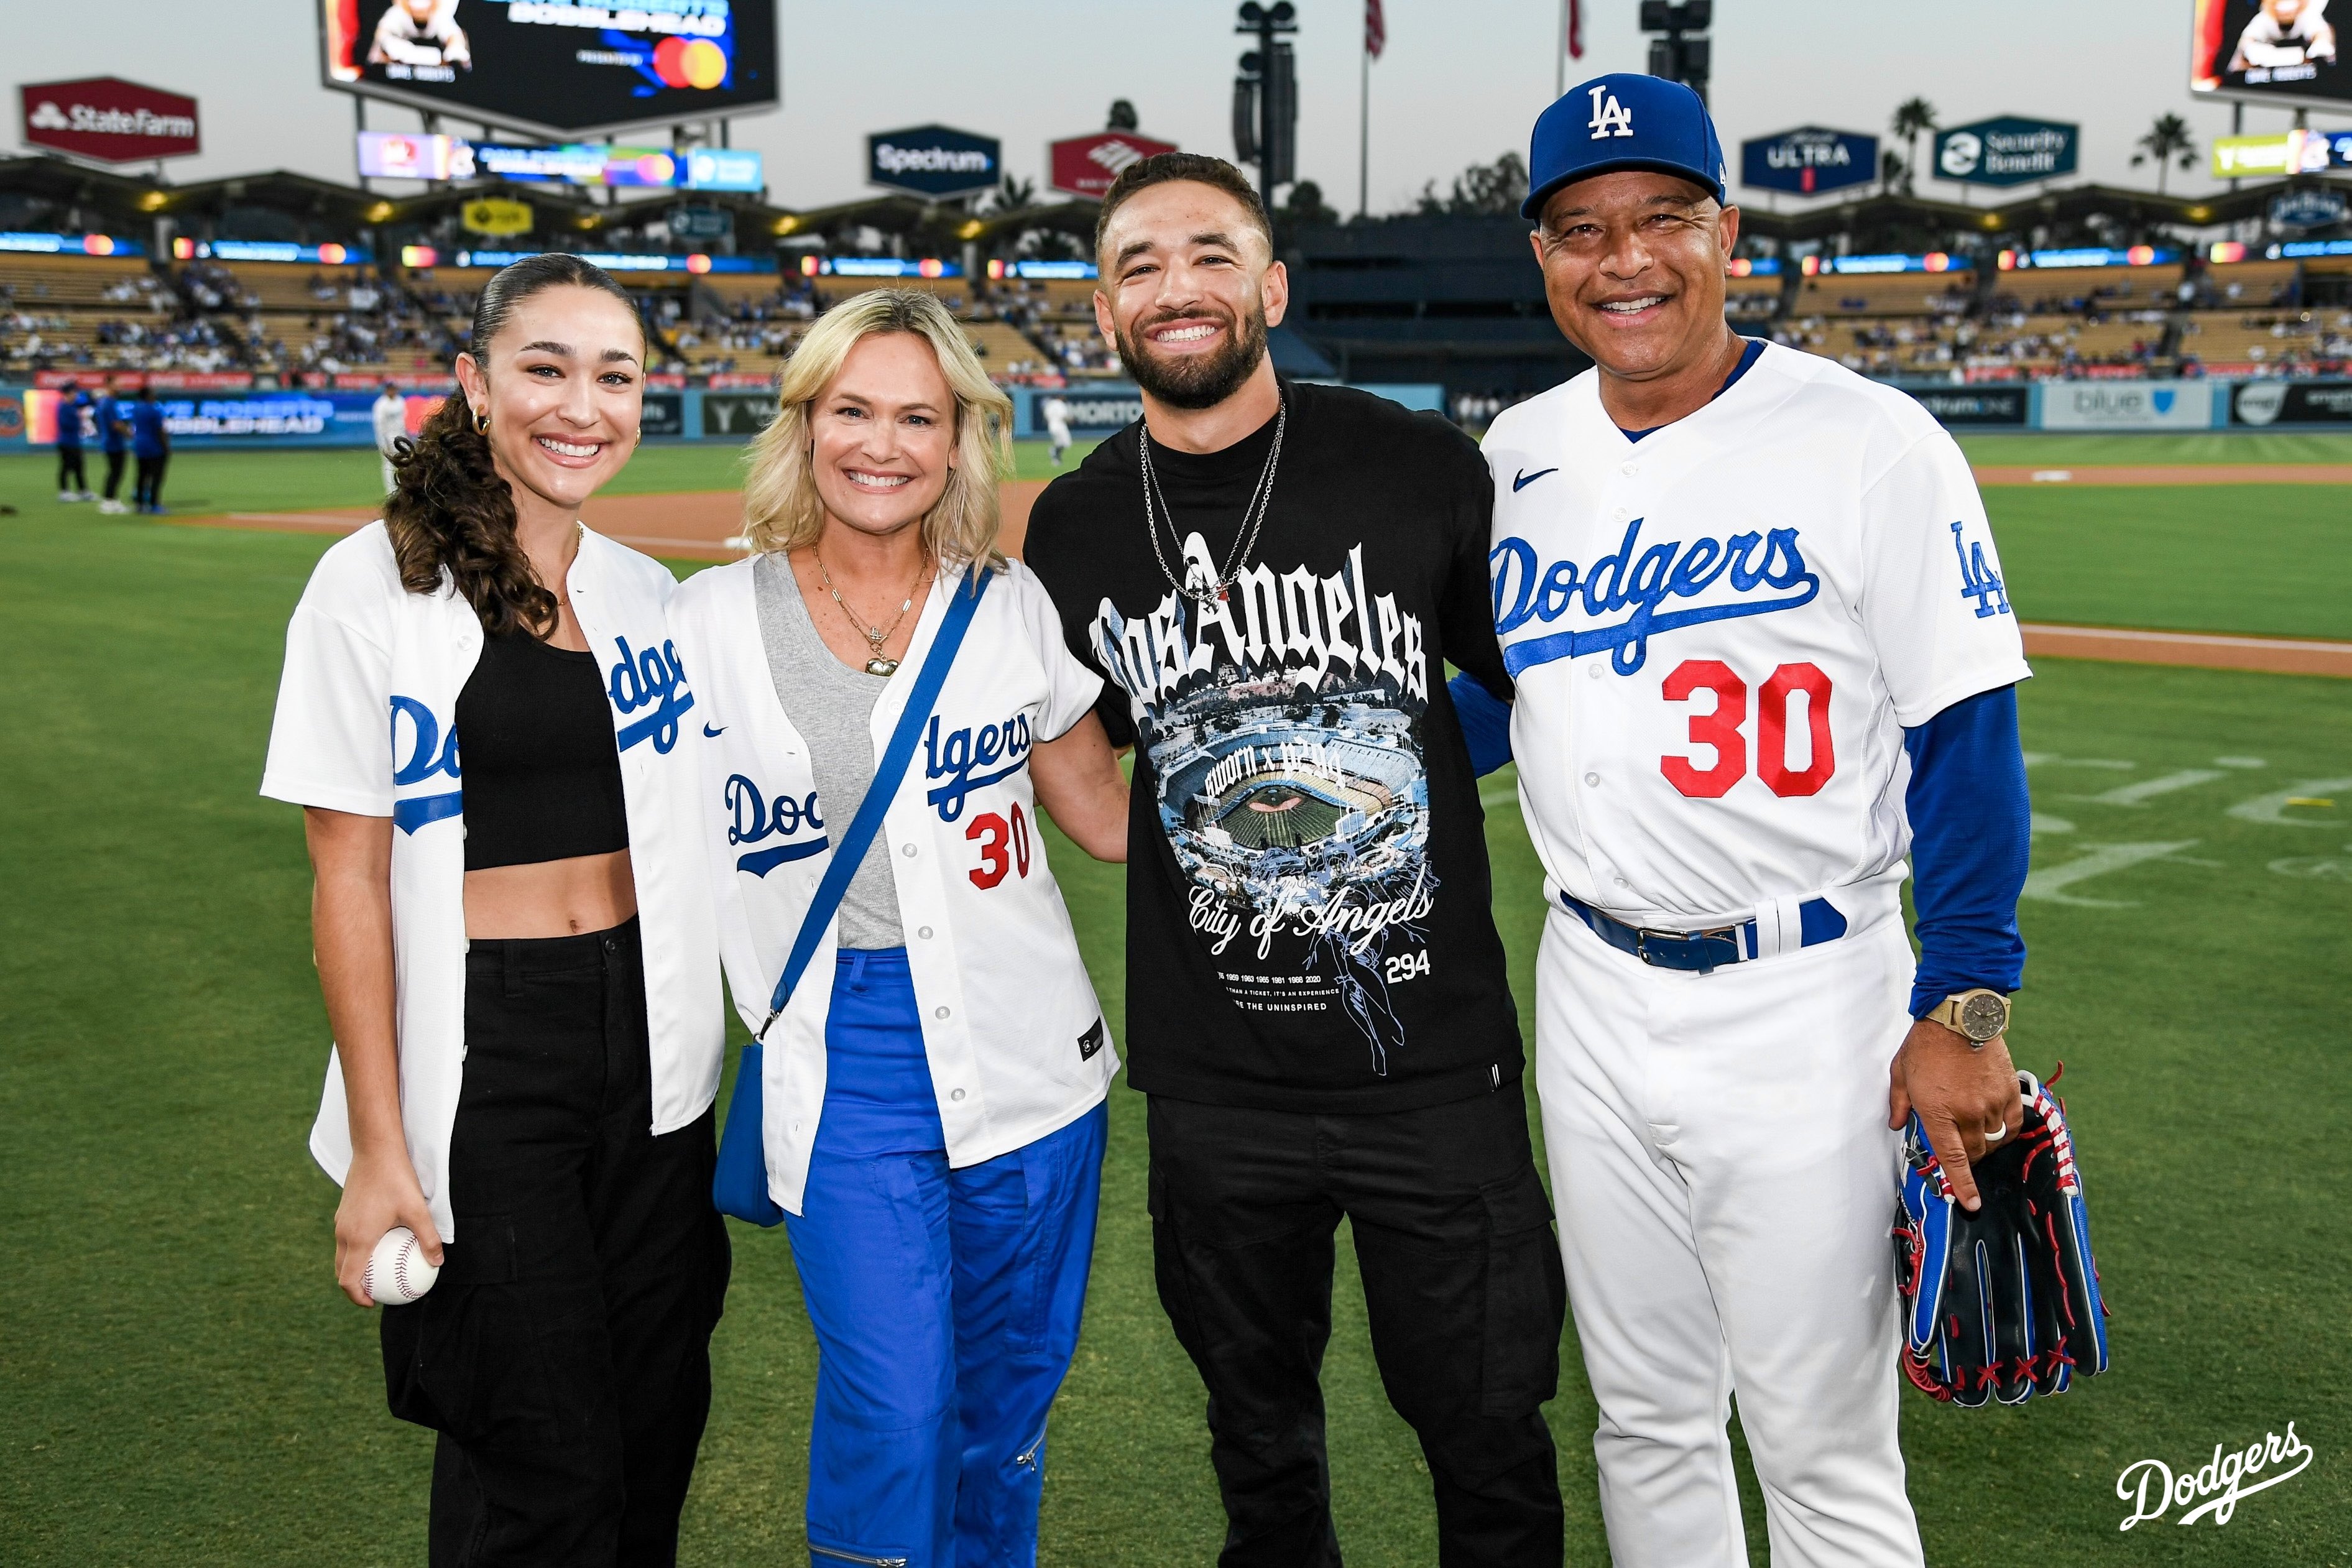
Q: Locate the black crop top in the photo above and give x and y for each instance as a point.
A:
(542, 776)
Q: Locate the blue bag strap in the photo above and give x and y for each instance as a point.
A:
(850, 853)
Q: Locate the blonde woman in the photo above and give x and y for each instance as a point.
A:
(934, 1109)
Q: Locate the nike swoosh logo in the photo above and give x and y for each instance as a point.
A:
(1524, 480)
(710, 734)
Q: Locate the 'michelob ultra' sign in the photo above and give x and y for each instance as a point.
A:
(1808, 161)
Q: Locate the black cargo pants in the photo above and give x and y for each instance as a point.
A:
(1461, 1279)
(564, 1354)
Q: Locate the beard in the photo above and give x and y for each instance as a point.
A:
(1196, 381)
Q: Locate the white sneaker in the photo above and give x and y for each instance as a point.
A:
(85, 495)
(68, 495)
(113, 508)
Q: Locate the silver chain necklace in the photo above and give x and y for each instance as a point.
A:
(1253, 515)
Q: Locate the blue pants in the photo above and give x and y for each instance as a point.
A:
(946, 1302)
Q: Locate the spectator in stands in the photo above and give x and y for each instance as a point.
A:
(150, 446)
(390, 413)
(114, 434)
(75, 422)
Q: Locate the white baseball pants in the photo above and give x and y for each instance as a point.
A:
(1724, 1182)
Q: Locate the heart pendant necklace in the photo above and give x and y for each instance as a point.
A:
(874, 636)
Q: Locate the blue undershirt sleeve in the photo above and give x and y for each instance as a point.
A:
(1486, 722)
(1971, 828)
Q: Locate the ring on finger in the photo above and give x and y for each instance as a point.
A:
(1997, 1134)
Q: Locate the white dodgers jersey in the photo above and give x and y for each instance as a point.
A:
(1721, 631)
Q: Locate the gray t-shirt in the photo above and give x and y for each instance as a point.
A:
(832, 706)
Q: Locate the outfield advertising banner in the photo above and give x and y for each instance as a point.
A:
(736, 416)
(278, 418)
(1976, 404)
(556, 65)
(2127, 404)
(1808, 161)
(663, 415)
(2261, 403)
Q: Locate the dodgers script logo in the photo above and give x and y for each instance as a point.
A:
(1641, 584)
(753, 816)
(655, 677)
(427, 754)
(955, 758)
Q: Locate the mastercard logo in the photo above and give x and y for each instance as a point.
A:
(690, 62)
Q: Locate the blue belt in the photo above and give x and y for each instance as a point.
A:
(1700, 952)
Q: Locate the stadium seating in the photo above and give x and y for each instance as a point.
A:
(1751, 299)
(2266, 337)
(65, 312)
(1924, 294)
(2039, 290)
(32, 281)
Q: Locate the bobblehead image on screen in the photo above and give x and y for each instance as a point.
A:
(554, 64)
(2286, 48)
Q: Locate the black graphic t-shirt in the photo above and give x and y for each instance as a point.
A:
(1310, 921)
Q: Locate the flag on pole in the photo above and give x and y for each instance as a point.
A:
(1575, 29)
(1376, 30)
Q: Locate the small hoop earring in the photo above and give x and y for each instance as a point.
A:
(482, 423)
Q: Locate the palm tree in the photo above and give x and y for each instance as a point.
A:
(1912, 117)
(2167, 141)
(1013, 195)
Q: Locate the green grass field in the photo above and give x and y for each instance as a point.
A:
(180, 1383)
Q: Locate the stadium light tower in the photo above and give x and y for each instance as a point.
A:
(1679, 56)
(1266, 98)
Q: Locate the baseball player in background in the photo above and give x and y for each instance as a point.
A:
(1057, 426)
(1761, 650)
(390, 413)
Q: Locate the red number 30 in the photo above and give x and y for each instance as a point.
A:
(995, 836)
(1719, 730)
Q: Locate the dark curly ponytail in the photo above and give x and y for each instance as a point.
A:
(450, 511)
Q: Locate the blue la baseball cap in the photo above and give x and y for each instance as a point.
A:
(1622, 122)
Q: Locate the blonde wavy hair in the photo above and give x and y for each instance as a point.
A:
(782, 511)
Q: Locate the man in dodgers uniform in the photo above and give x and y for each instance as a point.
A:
(1762, 650)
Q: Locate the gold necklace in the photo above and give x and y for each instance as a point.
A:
(874, 636)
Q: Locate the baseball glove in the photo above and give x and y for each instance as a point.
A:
(2003, 1303)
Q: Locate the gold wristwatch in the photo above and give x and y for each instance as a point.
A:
(1977, 1015)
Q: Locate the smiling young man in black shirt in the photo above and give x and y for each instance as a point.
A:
(1271, 576)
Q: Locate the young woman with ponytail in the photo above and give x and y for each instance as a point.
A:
(515, 939)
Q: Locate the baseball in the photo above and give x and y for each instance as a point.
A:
(397, 1270)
